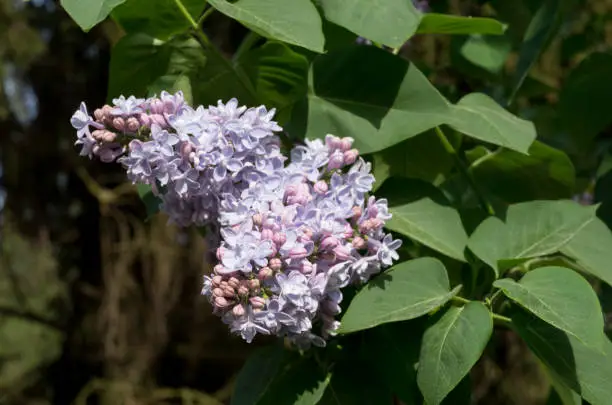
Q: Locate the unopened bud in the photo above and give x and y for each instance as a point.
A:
(98, 134)
(243, 290)
(233, 282)
(145, 120)
(350, 156)
(159, 120)
(275, 264)
(346, 143)
(359, 243)
(267, 234)
(357, 211)
(279, 238)
(306, 267)
(221, 302)
(253, 284)
(99, 114)
(109, 137)
(298, 253)
(332, 142)
(342, 253)
(336, 160)
(218, 292)
(238, 310)
(229, 292)
(119, 124)
(216, 280)
(132, 124)
(257, 302)
(257, 219)
(321, 187)
(329, 243)
(265, 273)
(157, 106)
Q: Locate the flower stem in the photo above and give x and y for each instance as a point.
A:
(460, 300)
(450, 149)
(503, 320)
(205, 15)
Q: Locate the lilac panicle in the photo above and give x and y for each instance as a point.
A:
(291, 233)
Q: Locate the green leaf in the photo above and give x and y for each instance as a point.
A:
(531, 229)
(562, 298)
(592, 249)
(406, 291)
(583, 97)
(150, 200)
(256, 376)
(279, 74)
(581, 368)
(542, 29)
(432, 23)
(546, 173)
(158, 18)
(451, 347)
(300, 382)
(393, 351)
(351, 384)
(480, 117)
(424, 216)
(378, 112)
(296, 22)
(422, 157)
(487, 52)
(138, 61)
(389, 23)
(88, 13)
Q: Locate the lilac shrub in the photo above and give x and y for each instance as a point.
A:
(293, 232)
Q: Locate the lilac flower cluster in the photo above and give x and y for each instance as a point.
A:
(188, 156)
(291, 235)
(294, 239)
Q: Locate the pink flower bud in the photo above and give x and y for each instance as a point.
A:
(186, 149)
(157, 106)
(221, 302)
(279, 238)
(306, 267)
(265, 273)
(224, 284)
(267, 234)
(145, 120)
(342, 253)
(99, 114)
(257, 302)
(233, 282)
(298, 253)
(253, 284)
(243, 290)
(98, 134)
(229, 292)
(291, 190)
(332, 142)
(216, 280)
(320, 187)
(336, 160)
(346, 143)
(307, 234)
(359, 242)
(119, 124)
(257, 219)
(350, 156)
(329, 243)
(327, 256)
(357, 211)
(220, 252)
(218, 292)
(238, 310)
(275, 264)
(132, 124)
(348, 231)
(159, 120)
(107, 113)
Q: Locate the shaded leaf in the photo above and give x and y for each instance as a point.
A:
(432, 23)
(592, 249)
(406, 291)
(562, 298)
(487, 52)
(531, 229)
(256, 376)
(581, 368)
(296, 22)
(158, 18)
(450, 348)
(88, 13)
(546, 173)
(390, 23)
